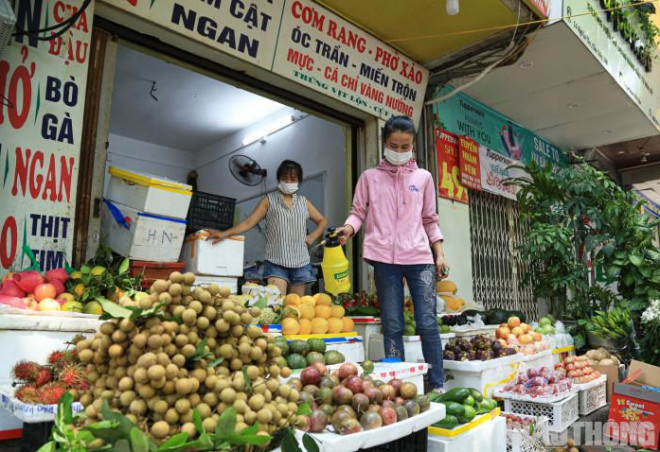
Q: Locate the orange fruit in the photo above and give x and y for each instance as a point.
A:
(349, 326)
(307, 299)
(292, 300)
(319, 326)
(323, 311)
(306, 311)
(305, 326)
(290, 327)
(337, 312)
(335, 325)
(513, 322)
(323, 299)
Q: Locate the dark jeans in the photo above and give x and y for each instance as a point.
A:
(421, 281)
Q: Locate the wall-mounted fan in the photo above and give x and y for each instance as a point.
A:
(246, 170)
(7, 23)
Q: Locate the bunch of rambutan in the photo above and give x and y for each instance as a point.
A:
(46, 384)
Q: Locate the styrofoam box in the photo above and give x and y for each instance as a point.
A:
(351, 347)
(222, 259)
(365, 327)
(148, 193)
(408, 371)
(482, 375)
(490, 437)
(412, 347)
(541, 359)
(332, 442)
(28, 412)
(148, 237)
(222, 281)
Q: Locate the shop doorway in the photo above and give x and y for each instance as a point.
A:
(170, 120)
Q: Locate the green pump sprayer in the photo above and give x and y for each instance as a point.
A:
(335, 265)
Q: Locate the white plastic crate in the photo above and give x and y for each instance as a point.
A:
(484, 376)
(560, 414)
(148, 193)
(592, 395)
(222, 259)
(141, 236)
(521, 441)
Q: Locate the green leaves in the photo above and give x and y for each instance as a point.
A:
(114, 311)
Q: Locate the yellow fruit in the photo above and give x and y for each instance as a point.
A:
(79, 289)
(66, 296)
(323, 299)
(292, 300)
(446, 287)
(306, 311)
(305, 326)
(349, 326)
(322, 311)
(308, 300)
(290, 327)
(319, 326)
(75, 275)
(335, 325)
(453, 303)
(98, 270)
(93, 307)
(337, 312)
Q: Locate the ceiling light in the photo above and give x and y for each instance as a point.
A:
(452, 7)
(526, 64)
(261, 134)
(574, 105)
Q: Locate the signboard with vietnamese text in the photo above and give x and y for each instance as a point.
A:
(495, 170)
(42, 93)
(322, 51)
(468, 157)
(301, 41)
(449, 184)
(463, 115)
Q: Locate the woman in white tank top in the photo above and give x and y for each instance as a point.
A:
(287, 262)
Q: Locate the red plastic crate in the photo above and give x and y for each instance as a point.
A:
(152, 271)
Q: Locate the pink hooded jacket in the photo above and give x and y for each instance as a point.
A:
(398, 205)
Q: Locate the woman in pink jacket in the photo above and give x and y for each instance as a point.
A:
(396, 203)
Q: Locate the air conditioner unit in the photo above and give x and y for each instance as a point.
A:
(7, 24)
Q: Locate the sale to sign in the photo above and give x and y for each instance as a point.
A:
(450, 186)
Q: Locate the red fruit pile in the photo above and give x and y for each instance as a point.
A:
(577, 368)
(349, 403)
(46, 384)
(25, 289)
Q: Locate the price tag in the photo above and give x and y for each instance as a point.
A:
(449, 170)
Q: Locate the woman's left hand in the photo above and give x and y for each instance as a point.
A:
(443, 267)
(309, 240)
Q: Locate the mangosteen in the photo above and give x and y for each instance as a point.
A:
(496, 346)
(448, 355)
(509, 351)
(472, 355)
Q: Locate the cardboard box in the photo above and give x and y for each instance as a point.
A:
(634, 416)
(612, 373)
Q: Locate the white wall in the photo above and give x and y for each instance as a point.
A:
(124, 152)
(455, 225)
(318, 145)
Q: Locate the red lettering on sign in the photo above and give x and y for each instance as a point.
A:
(29, 176)
(8, 242)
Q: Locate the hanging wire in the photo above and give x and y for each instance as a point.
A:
(65, 25)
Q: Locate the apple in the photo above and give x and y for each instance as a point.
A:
(48, 304)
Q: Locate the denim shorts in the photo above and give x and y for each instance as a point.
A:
(293, 276)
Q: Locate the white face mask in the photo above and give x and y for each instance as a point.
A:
(287, 188)
(398, 158)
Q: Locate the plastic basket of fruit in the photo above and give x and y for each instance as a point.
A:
(560, 414)
(541, 385)
(592, 395)
(525, 433)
